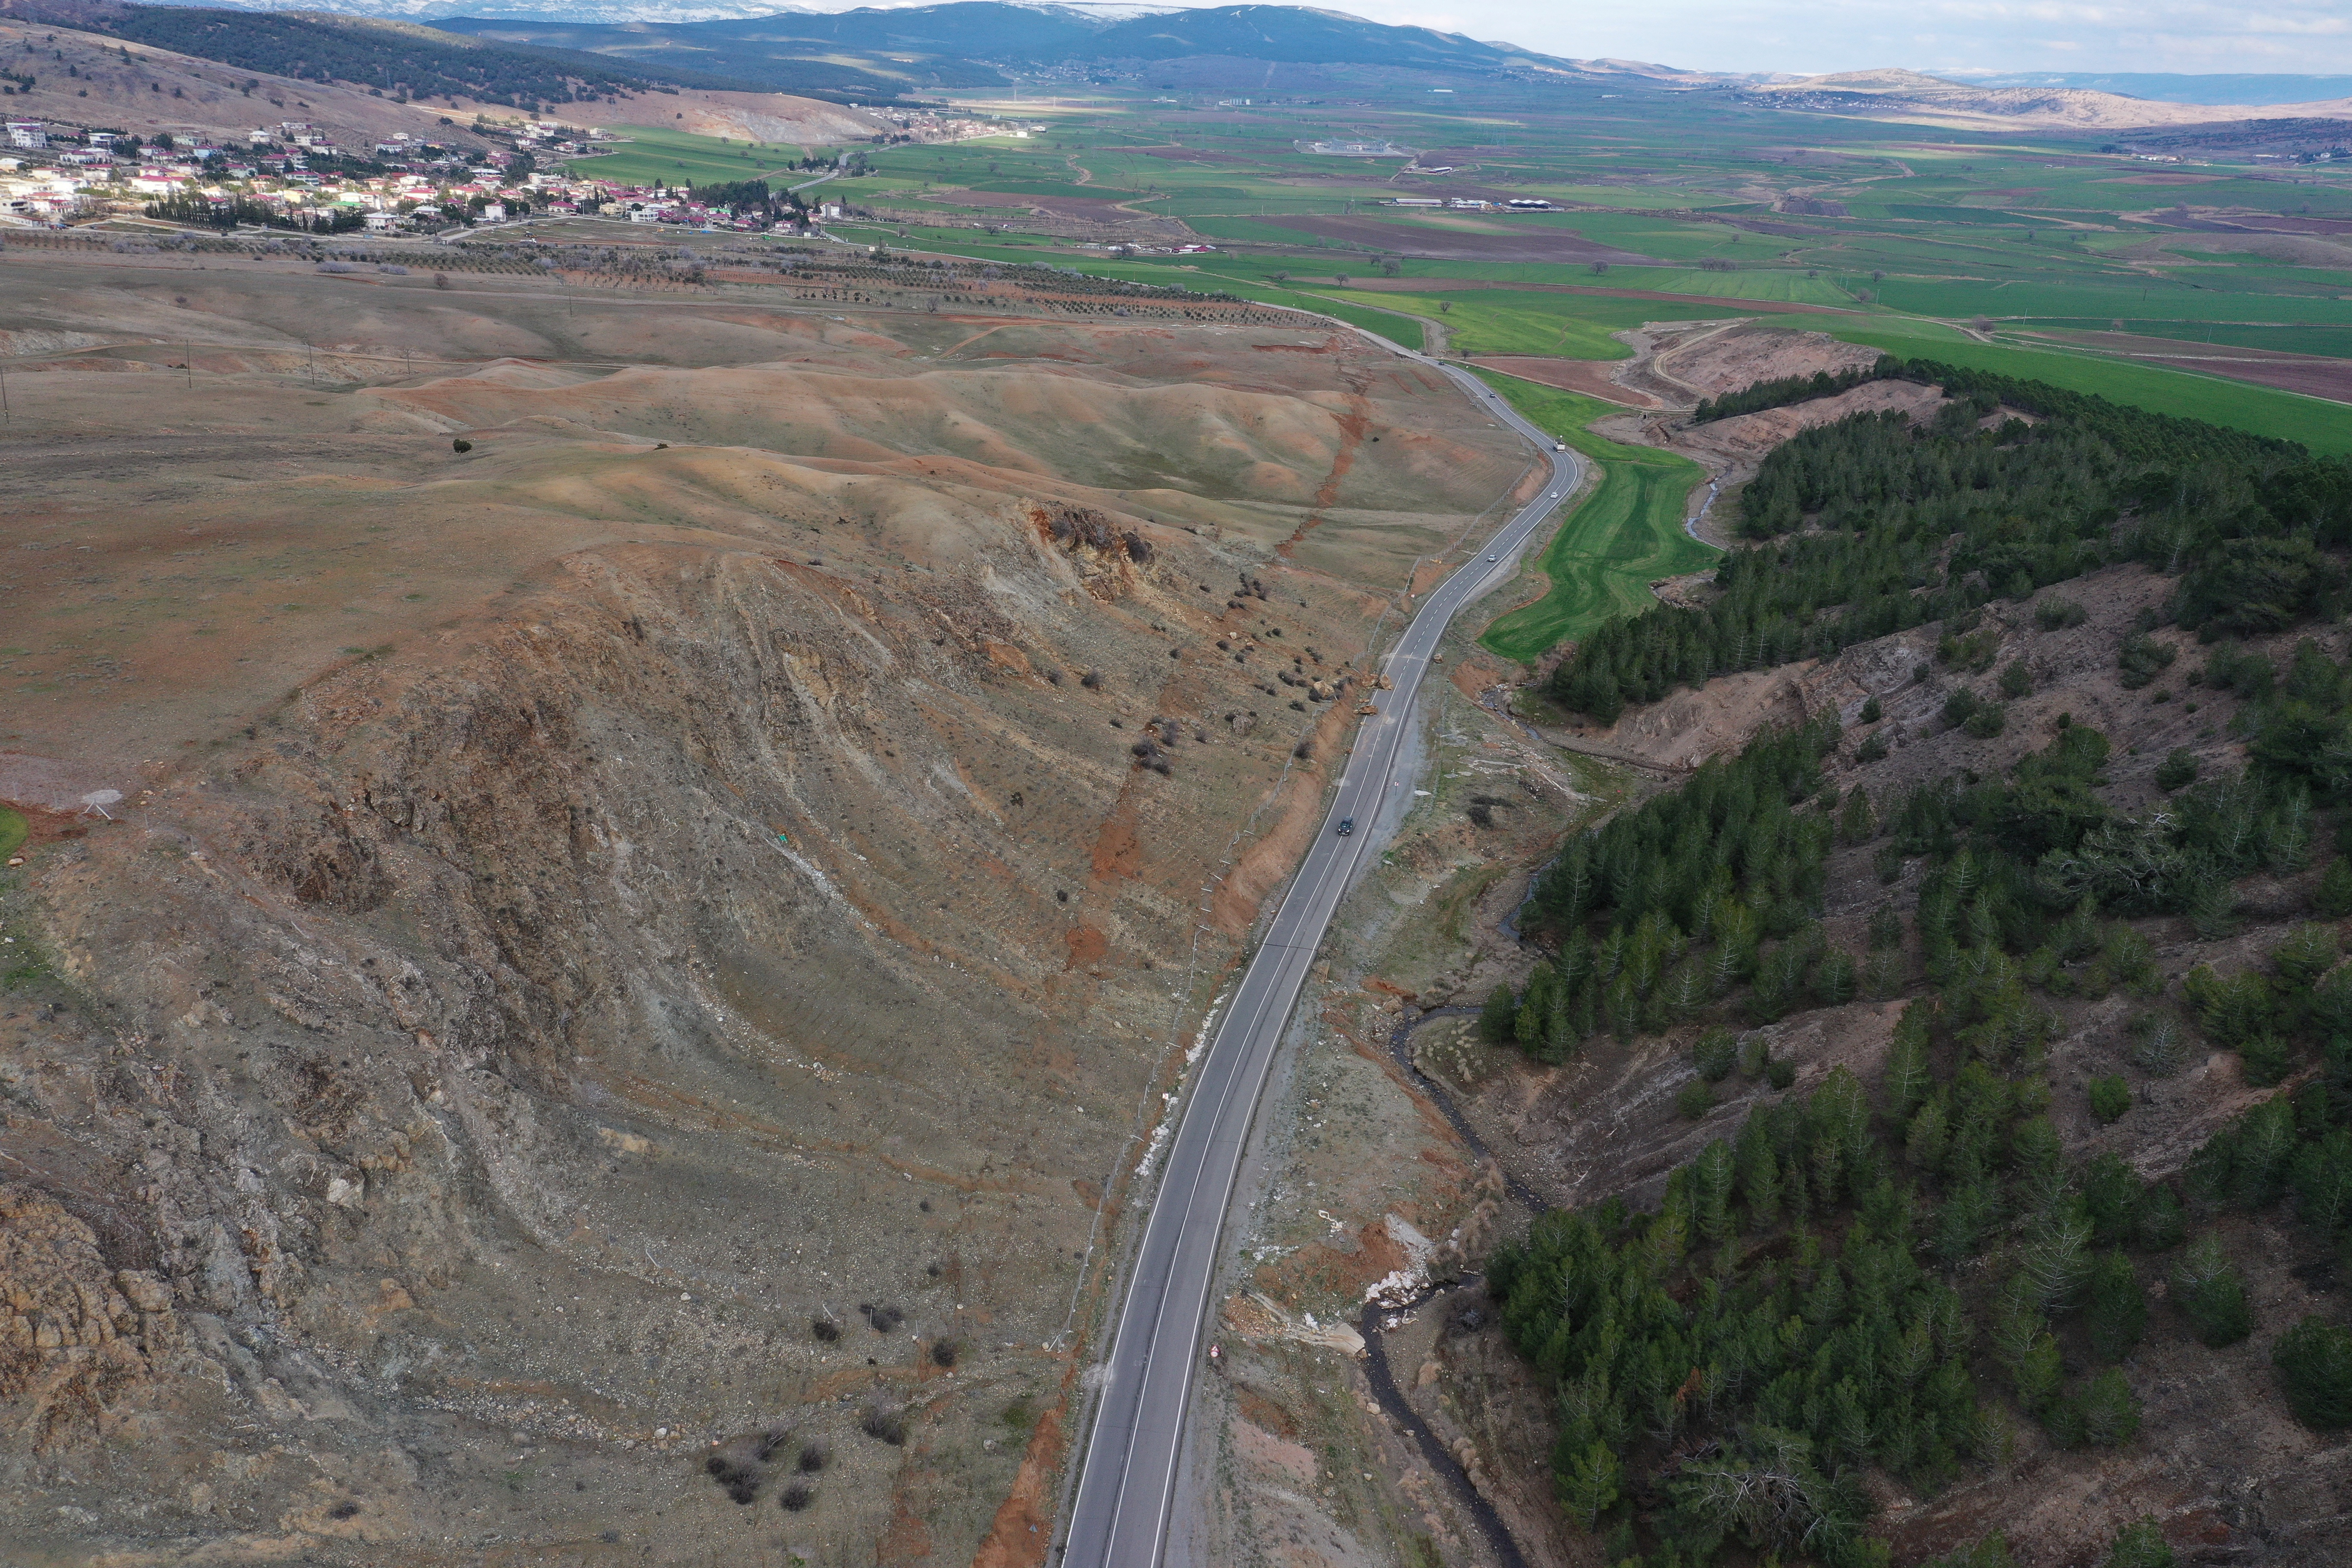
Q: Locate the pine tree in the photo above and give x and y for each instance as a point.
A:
(2117, 1312)
(1497, 1020)
(2314, 1364)
(2110, 1410)
(1907, 1082)
(2211, 1293)
(1588, 1482)
(2335, 900)
(1858, 822)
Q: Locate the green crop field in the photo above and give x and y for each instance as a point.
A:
(2326, 427)
(13, 831)
(674, 158)
(1908, 233)
(1507, 322)
(1625, 534)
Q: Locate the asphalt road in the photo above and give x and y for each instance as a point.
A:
(1127, 1484)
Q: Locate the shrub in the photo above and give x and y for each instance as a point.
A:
(944, 1354)
(2211, 1294)
(1960, 706)
(2142, 658)
(884, 1423)
(736, 1467)
(1756, 1056)
(1990, 719)
(2177, 770)
(1694, 1099)
(1871, 712)
(2054, 612)
(825, 1329)
(2110, 1098)
(1714, 1053)
(2314, 1364)
(1779, 1074)
(2016, 680)
(1992, 1552)
(1872, 749)
(794, 1498)
(2140, 1545)
(812, 1460)
(459, 444)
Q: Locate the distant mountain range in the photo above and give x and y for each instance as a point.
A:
(955, 44)
(875, 54)
(2172, 87)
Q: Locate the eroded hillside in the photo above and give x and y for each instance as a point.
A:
(651, 928)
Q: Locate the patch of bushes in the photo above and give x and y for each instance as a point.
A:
(2142, 658)
(2054, 614)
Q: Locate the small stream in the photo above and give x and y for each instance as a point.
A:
(1377, 1317)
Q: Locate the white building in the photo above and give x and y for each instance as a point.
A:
(28, 133)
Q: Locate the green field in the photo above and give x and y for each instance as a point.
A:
(2326, 427)
(1624, 535)
(650, 153)
(1509, 321)
(13, 829)
(1910, 233)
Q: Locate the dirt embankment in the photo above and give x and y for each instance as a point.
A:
(649, 931)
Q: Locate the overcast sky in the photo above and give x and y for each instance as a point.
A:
(2309, 36)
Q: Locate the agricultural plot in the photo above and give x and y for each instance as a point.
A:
(1507, 322)
(1624, 535)
(2323, 425)
(1911, 236)
(651, 155)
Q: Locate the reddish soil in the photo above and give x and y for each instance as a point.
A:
(2273, 224)
(2330, 378)
(1484, 242)
(1589, 377)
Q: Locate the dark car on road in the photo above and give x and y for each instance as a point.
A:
(1347, 826)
